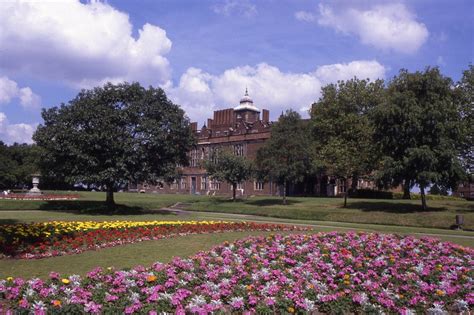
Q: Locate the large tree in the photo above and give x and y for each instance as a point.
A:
(465, 101)
(418, 130)
(342, 130)
(114, 134)
(285, 157)
(224, 165)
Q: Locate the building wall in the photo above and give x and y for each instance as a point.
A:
(465, 190)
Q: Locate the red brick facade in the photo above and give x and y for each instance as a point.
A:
(243, 131)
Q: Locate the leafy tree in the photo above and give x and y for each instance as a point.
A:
(418, 131)
(113, 134)
(7, 167)
(342, 130)
(223, 165)
(439, 190)
(285, 157)
(465, 101)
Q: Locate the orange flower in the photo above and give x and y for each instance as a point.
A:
(291, 310)
(347, 277)
(440, 292)
(56, 303)
(151, 278)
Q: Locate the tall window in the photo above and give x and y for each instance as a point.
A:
(258, 185)
(204, 183)
(182, 183)
(194, 158)
(175, 185)
(239, 149)
(215, 184)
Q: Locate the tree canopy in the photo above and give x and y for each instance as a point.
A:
(114, 134)
(17, 163)
(285, 157)
(418, 130)
(341, 130)
(224, 165)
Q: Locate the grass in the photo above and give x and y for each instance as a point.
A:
(324, 214)
(441, 213)
(126, 256)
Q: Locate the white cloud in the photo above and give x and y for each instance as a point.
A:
(82, 44)
(9, 90)
(363, 69)
(199, 93)
(20, 133)
(238, 7)
(389, 26)
(305, 16)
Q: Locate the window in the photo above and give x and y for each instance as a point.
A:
(258, 186)
(240, 186)
(194, 158)
(239, 149)
(182, 183)
(204, 183)
(215, 184)
(174, 185)
(160, 185)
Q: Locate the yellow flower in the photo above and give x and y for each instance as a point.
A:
(10, 279)
(440, 292)
(65, 281)
(347, 277)
(291, 310)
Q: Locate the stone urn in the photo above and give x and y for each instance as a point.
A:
(35, 181)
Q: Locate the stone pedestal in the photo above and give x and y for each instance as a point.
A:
(35, 190)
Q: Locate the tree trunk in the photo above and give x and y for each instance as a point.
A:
(234, 188)
(284, 192)
(406, 190)
(110, 197)
(345, 193)
(423, 198)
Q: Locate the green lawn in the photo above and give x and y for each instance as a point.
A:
(323, 214)
(441, 213)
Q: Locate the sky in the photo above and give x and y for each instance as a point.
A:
(204, 53)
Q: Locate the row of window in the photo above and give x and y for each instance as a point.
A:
(200, 154)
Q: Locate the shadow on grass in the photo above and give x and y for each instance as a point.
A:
(8, 221)
(271, 202)
(96, 208)
(391, 207)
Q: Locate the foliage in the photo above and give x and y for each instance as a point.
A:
(465, 102)
(113, 134)
(285, 157)
(224, 165)
(17, 163)
(341, 128)
(418, 130)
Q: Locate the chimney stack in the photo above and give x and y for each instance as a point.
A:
(194, 126)
(265, 115)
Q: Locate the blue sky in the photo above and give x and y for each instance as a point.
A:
(204, 53)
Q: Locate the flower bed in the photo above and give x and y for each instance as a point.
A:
(47, 239)
(40, 197)
(326, 272)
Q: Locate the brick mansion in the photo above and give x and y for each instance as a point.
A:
(243, 130)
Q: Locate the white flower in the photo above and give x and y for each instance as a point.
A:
(308, 305)
(461, 305)
(437, 309)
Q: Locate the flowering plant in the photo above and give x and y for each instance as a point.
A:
(325, 272)
(46, 239)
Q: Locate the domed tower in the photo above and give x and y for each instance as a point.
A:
(246, 111)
